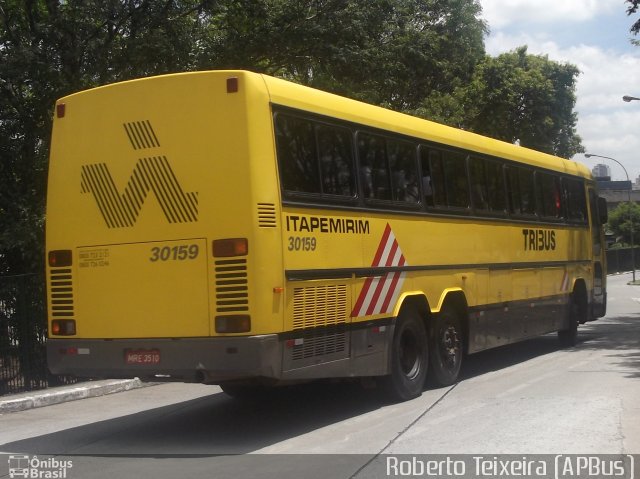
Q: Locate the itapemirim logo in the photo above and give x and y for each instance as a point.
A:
(151, 173)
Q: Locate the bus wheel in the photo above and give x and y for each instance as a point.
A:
(409, 358)
(246, 390)
(577, 310)
(446, 347)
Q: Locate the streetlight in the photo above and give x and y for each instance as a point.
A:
(628, 98)
(589, 155)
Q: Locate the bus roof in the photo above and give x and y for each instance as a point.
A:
(293, 95)
(290, 94)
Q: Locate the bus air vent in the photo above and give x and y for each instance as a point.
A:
(61, 293)
(318, 306)
(320, 315)
(326, 342)
(266, 215)
(232, 286)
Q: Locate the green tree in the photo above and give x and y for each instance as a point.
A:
(424, 57)
(51, 48)
(393, 52)
(622, 219)
(525, 99)
(631, 9)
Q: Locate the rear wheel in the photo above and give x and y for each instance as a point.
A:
(247, 390)
(409, 358)
(577, 314)
(446, 347)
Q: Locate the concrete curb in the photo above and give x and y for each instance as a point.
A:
(49, 397)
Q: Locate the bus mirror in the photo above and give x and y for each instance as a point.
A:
(602, 210)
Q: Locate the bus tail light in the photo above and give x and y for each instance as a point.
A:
(233, 324)
(60, 258)
(291, 343)
(230, 247)
(63, 327)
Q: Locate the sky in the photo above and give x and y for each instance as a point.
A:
(594, 36)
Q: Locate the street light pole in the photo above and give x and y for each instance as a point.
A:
(628, 98)
(589, 155)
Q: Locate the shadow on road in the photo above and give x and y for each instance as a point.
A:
(621, 336)
(217, 424)
(212, 425)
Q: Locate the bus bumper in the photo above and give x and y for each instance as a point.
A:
(208, 360)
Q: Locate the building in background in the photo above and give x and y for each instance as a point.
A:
(601, 171)
(614, 192)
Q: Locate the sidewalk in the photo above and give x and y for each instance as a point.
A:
(73, 392)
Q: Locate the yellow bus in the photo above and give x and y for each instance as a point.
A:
(232, 228)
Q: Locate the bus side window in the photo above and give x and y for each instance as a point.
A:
(495, 187)
(457, 185)
(549, 195)
(296, 149)
(374, 169)
(479, 194)
(425, 168)
(513, 190)
(336, 160)
(404, 170)
(576, 201)
(527, 191)
(521, 191)
(437, 178)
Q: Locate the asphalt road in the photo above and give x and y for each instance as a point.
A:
(524, 399)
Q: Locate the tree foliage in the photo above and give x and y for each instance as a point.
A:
(424, 57)
(525, 99)
(49, 49)
(631, 9)
(623, 220)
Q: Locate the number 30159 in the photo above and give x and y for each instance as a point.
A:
(302, 243)
(174, 253)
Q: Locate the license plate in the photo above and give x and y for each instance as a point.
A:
(142, 356)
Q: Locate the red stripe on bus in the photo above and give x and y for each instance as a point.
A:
(363, 294)
(381, 246)
(384, 280)
(367, 283)
(394, 286)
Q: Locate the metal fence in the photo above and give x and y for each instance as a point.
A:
(23, 332)
(619, 260)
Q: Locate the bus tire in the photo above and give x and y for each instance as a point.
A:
(577, 311)
(246, 390)
(446, 347)
(409, 357)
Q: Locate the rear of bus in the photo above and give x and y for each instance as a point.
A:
(157, 200)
